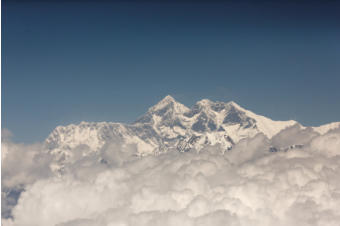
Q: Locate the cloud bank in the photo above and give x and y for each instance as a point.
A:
(248, 185)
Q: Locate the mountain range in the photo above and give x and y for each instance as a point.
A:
(169, 125)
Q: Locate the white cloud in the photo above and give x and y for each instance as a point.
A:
(246, 186)
(21, 165)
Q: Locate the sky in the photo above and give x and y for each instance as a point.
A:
(69, 61)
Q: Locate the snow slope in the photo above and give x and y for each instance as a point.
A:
(327, 127)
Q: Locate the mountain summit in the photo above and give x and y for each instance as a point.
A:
(168, 102)
(169, 125)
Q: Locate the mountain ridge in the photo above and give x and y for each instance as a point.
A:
(170, 125)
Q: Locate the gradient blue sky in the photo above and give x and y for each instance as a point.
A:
(70, 61)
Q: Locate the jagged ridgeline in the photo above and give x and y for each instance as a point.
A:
(169, 125)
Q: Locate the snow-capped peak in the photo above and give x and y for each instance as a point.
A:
(327, 127)
(165, 101)
(205, 102)
(168, 102)
(265, 125)
(234, 104)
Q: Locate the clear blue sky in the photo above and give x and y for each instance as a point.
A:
(70, 61)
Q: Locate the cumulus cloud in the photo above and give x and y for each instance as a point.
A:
(328, 144)
(21, 165)
(245, 186)
(293, 135)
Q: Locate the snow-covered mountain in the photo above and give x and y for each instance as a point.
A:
(169, 125)
(327, 127)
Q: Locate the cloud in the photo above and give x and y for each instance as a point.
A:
(245, 186)
(21, 165)
(293, 135)
(328, 144)
(5, 134)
